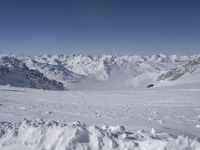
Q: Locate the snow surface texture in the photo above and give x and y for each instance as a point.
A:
(173, 112)
(75, 136)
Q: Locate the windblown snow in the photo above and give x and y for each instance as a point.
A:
(107, 106)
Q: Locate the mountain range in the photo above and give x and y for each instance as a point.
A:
(66, 71)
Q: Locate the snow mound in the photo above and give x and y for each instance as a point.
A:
(57, 135)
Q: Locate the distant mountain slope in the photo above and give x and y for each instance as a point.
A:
(82, 71)
(182, 70)
(103, 67)
(56, 72)
(114, 72)
(16, 73)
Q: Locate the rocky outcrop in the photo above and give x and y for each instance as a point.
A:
(17, 74)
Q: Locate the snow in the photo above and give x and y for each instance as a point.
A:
(108, 105)
(17, 74)
(172, 112)
(61, 136)
(183, 70)
(101, 72)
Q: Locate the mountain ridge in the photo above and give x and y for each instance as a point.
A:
(121, 71)
(15, 73)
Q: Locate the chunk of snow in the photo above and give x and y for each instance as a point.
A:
(54, 135)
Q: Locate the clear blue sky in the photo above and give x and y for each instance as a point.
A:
(100, 26)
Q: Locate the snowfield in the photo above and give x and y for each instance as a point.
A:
(158, 118)
(108, 105)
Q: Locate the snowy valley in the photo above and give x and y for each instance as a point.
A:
(99, 72)
(57, 102)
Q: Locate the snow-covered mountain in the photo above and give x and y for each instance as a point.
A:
(53, 71)
(106, 71)
(186, 69)
(163, 117)
(15, 73)
(102, 67)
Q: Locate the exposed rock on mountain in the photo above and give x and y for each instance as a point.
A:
(16, 73)
(56, 72)
(95, 71)
(182, 70)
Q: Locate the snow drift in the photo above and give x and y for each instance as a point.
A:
(53, 135)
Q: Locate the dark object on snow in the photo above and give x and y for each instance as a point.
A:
(150, 85)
